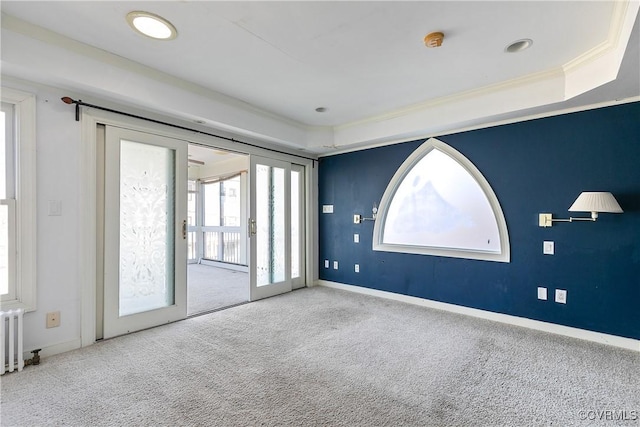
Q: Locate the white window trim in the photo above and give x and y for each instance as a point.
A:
(403, 170)
(25, 113)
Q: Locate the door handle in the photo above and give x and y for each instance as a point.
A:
(184, 229)
(252, 227)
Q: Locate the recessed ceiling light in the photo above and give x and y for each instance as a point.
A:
(151, 25)
(321, 109)
(519, 46)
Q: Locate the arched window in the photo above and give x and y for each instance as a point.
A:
(438, 203)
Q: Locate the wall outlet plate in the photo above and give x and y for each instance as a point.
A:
(548, 248)
(53, 319)
(326, 263)
(561, 296)
(357, 219)
(357, 268)
(335, 265)
(327, 208)
(356, 238)
(542, 293)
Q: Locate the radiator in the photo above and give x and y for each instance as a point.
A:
(11, 340)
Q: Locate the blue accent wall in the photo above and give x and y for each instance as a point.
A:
(533, 167)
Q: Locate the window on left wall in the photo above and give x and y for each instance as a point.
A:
(17, 200)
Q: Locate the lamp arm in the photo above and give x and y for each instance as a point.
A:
(546, 220)
(358, 219)
(571, 219)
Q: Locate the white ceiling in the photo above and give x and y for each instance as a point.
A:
(208, 156)
(365, 62)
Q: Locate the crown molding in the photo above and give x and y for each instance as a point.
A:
(367, 146)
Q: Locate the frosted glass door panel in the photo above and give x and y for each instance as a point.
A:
(270, 221)
(295, 224)
(147, 233)
(298, 253)
(269, 227)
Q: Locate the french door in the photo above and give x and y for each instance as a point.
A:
(269, 227)
(145, 230)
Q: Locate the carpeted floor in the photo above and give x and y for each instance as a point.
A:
(210, 288)
(324, 357)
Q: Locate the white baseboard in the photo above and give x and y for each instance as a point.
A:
(55, 349)
(583, 334)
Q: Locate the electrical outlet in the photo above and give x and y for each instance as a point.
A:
(561, 296)
(357, 219)
(327, 208)
(53, 319)
(326, 263)
(356, 238)
(548, 248)
(357, 268)
(335, 265)
(542, 293)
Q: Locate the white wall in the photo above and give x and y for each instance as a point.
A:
(58, 165)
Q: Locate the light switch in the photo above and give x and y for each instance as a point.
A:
(561, 296)
(542, 293)
(548, 248)
(55, 208)
(356, 238)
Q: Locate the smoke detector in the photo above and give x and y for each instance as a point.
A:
(433, 39)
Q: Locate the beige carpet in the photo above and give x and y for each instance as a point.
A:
(323, 357)
(210, 288)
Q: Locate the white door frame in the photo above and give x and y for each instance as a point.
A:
(87, 271)
(257, 292)
(115, 324)
(300, 281)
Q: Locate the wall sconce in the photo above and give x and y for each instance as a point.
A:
(588, 201)
(357, 219)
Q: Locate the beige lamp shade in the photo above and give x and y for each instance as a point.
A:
(596, 201)
(587, 201)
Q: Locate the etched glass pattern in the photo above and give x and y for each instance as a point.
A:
(270, 224)
(147, 227)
